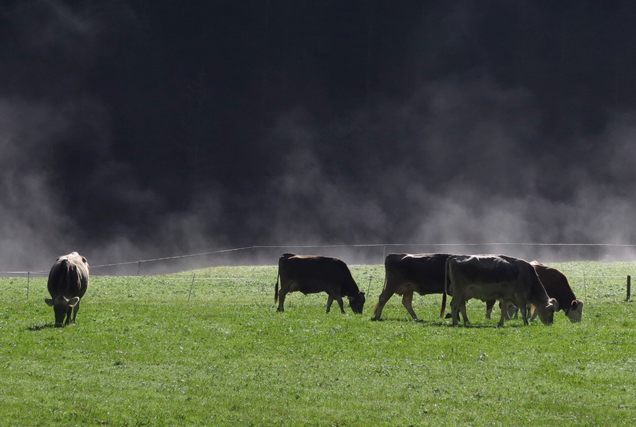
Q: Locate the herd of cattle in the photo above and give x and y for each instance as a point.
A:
(513, 282)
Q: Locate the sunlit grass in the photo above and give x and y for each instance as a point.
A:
(170, 350)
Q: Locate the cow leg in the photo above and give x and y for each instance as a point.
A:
(75, 310)
(384, 298)
(281, 301)
(524, 313)
(338, 298)
(513, 313)
(455, 307)
(68, 315)
(340, 303)
(329, 302)
(407, 302)
(489, 306)
(504, 312)
(462, 309)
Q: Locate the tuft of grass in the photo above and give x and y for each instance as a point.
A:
(169, 350)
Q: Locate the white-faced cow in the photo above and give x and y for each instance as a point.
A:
(496, 277)
(408, 273)
(312, 274)
(68, 281)
(558, 287)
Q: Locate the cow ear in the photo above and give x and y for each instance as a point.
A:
(555, 303)
(577, 305)
(73, 301)
(48, 301)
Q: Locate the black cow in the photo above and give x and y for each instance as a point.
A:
(311, 274)
(496, 277)
(68, 281)
(408, 273)
(557, 286)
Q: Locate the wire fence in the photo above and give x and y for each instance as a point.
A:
(363, 254)
(373, 253)
(602, 284)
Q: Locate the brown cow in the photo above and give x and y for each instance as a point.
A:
(408, 273)
(68, 281)
(311, 274)
(558, 287)
(496, 277)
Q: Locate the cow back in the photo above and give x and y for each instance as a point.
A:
(487, 269)
(69, 276)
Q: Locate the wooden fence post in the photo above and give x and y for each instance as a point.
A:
(191, 285)
(629, 288)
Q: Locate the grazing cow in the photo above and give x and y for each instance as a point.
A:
(311, 274)
(408, 273)
(496, 277)
(558, 287)
(68, 281)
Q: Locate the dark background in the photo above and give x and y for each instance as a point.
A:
(138, 129)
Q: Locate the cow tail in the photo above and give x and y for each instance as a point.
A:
(446, 280)
(276, 288)
(375, 309)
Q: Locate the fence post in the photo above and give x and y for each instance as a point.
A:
(28, 281)
(629, 288)
(191, 285)
(138, 267)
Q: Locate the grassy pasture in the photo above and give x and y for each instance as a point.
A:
(170, 350)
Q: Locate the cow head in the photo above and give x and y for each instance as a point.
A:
(546, 312)
(357, 302)
(62, 307)
(574, 311)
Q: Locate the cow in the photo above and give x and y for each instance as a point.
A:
(67, 284)
(495, 277)
(311, 274)
(557, 287)
(408, 273)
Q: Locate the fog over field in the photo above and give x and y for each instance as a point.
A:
(139, 129)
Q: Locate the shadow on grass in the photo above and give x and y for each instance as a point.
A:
(40, 327)
(447, 323)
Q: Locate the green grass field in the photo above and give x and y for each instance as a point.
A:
(170, 350)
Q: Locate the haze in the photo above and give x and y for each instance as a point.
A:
(139, 129)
